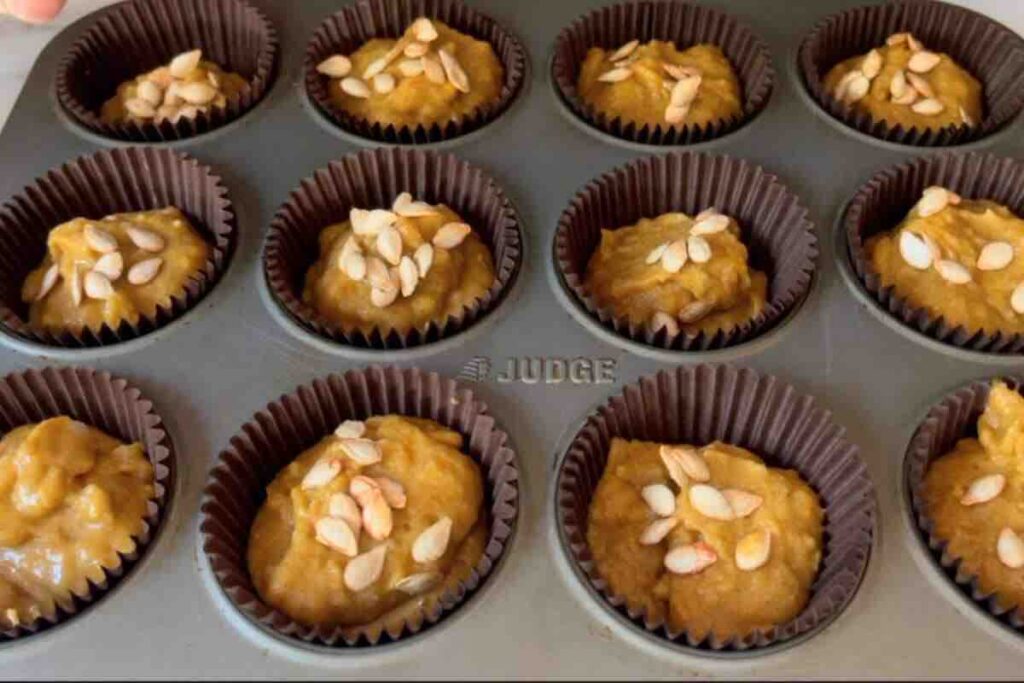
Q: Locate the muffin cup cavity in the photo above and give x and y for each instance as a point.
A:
(107, 182)
(138, 36)
(685, 25)
(347, 30)
(774, 226)
(991, 52)
(372, 179)
(953, 418)
(276, 435)
(885, 200)
(698, 405)
(115, 407)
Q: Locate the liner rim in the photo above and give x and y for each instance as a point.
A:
(889, 300)
(515, 67)
(779, 306)
(502, 483)
(221, 236)
(812, 81)
(563, 77)
(403, 162)
(237, 105)
(162, 456)
(917, 458)
(735, 648)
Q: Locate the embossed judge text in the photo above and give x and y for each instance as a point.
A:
(541, 370)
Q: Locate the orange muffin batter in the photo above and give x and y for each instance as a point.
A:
(974, 495)
(399, 269)
(959, 259)
(117, 269)
(904, 84)
(372, 523)
(71, 499)
(710, 539)
(674, 271)
(185, 87)
(432, 75)
(655, 84)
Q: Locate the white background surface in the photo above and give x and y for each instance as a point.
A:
(21, 43)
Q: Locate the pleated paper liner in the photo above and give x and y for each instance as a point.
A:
(703, 403)
(885, 200)
(685, 25)
(372, 179)
(135, 37)
(991, 52)
(107, 182)
(953, 418)
(119, 409)
(774, 226)
(347, 30)
(276, 435)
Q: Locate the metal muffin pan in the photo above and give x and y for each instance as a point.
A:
(226, 358)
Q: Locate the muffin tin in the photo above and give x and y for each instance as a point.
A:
(229, 355)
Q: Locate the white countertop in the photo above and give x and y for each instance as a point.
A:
(21, 43)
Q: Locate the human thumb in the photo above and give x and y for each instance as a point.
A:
(32, 11)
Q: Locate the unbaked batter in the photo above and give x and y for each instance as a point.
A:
(971, 270)
(905, 84)
(295, 567)
(973, 530)
(432, 267)
(71, 499)
(656, 84)
(183, 88)
(634, 272)
(721, 597)
(120, 268)
(432, 75)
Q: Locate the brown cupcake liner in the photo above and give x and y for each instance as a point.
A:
(953, 418)
(681, 23)
(119, 409)
(884, 201)
(988, 50)
(107, 182)
(275, 436)
(138, 36)
(703, 403)
(372, 179)
(780, 239)
(347, 30)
